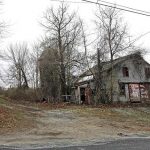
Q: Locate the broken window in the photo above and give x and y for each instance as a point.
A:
(122, 88)
(147, 72)
(125, 72)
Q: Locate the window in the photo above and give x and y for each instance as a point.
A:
(125, 72)
(147, 72)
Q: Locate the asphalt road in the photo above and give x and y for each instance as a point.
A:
(128, 144)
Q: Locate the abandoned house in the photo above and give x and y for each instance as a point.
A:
(131, 79)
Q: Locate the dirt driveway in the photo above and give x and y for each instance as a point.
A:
(78, 126)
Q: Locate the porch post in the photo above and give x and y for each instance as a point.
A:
(79, 95)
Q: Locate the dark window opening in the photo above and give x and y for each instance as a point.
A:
(125, 72)
(122, 88)
(147, 72)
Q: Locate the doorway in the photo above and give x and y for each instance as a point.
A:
(82, 95)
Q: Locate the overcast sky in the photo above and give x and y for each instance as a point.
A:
(24, 16)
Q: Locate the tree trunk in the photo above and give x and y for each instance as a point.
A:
(37, 75)
(63, 80)
(62, 67)
(98, 78)
(111, 80)
(25, 79)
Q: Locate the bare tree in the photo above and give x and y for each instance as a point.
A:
(3, 26)
(63, 30)
(96, 67)
(3, 31)
(33, 65)
(17, 56)
(113, 37)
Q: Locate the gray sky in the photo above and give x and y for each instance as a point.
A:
(24, 17)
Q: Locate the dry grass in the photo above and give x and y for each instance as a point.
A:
(12, 119)
(123, 114)
(125, 117)
(131, 119)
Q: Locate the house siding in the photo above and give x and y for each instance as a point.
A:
(136, 72)
(136, 75)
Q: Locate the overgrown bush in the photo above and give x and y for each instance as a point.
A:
(24, 94)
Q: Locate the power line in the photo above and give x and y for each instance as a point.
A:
(125, 7)
(132, 11)
(141, 36)
(67, 1)
(129, 9)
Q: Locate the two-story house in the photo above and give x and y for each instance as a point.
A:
(131, 79)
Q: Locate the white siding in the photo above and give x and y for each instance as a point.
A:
(136, 72)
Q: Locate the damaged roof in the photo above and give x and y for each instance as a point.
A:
(107, 65)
